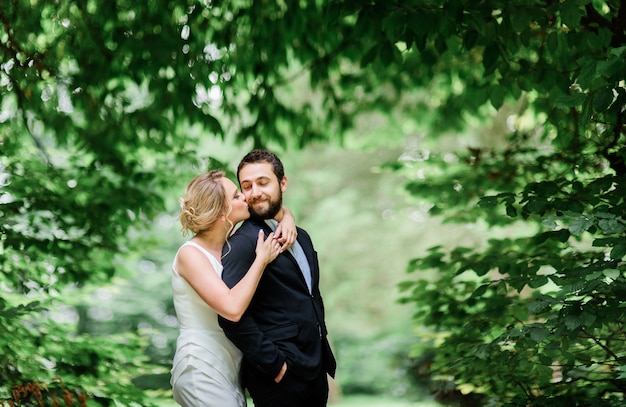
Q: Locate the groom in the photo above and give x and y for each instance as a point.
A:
(286, 354)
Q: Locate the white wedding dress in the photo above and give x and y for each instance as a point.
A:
(205, 370)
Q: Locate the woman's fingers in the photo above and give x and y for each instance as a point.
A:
(269, 247)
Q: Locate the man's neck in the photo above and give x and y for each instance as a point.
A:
(279, 216)
(272, 223)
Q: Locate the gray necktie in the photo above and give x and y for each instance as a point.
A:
(297, 252)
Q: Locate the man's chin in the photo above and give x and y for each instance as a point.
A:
(263, 212)
(258, 212)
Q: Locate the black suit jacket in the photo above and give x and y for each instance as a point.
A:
(284, 322)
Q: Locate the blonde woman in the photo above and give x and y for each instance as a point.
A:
(205, 369)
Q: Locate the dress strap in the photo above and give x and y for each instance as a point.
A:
(217, 265)
(202, 249)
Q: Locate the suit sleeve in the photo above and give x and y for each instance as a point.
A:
(246, 334)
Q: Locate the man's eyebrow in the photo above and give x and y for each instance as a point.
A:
(262, 177)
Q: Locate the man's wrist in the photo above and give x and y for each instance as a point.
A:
(281, 374)
(281, 214)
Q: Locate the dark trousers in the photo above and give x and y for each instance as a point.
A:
(290, 392)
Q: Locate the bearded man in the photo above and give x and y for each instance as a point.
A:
(282, 335)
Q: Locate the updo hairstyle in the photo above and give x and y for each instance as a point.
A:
(203, 203)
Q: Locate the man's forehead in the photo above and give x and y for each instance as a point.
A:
(256, 171)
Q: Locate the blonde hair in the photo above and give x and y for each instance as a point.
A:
(203, 203)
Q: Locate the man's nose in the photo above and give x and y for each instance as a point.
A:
(255, 191)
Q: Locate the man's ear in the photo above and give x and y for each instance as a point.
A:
(283, 184)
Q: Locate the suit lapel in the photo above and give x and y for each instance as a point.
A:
(310, 258)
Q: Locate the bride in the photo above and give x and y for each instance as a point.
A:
(205, 369)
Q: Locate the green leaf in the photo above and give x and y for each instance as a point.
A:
(490, 57)
(572, 322)
(538, 281)
(602, 99)
(622, 372)
(611, 226)
(612, 274)
(538, 307)
(618, 52)
(550, 222)
(605, 242)
(480, 291)
(369, 56)
(389, 54)
(586, 111)
(482, 352)
(580, 225)
(610, 66)
(487, 201)
(545, 360)
(511, 210)
(569, 101)
(394, 25)
(537, 205)
(561, 235)
(618, 252)
(570, 13)
(593, 276)
(553, 41)
(469, 39)
(519, 20)
(587, 319)
(482, 267)
(538, 333)
(497, 95)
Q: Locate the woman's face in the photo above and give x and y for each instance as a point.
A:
(237, 202)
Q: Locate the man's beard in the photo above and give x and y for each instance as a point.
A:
(269, 213)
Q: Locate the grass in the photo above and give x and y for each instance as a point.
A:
(351, 401)
(373, 401)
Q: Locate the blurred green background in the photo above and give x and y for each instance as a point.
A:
(392, 118)
(365, 229)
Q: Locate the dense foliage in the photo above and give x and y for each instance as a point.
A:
(536, 314)
(101, 104)
(102, 100)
